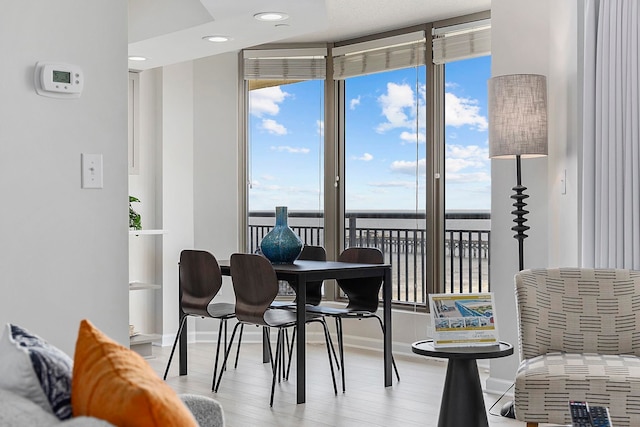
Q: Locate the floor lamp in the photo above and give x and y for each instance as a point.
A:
(517, 128)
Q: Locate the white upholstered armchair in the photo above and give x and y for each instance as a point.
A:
(579, 334)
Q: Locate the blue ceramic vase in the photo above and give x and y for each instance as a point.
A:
(281, 245)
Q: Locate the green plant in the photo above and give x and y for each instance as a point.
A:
(135, 222)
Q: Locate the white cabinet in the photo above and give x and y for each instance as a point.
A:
(145, 275)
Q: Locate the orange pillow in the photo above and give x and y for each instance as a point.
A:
(116, 384)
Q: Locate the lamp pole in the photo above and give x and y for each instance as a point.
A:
(519, 213)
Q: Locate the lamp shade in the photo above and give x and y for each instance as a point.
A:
(517, 115)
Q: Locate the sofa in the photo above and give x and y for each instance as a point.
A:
(18, 411)
(105, 384)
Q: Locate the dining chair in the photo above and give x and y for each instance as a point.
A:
(199, 282)
(314, 289)
(363, 297)
(255, 286)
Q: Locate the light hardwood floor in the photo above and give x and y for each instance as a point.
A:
(244, 392)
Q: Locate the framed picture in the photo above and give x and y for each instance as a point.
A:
(461, 320)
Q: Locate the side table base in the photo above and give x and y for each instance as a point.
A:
(462, 400)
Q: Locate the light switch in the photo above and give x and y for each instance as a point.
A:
(91, 170)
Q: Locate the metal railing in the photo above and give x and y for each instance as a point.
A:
(401, 237)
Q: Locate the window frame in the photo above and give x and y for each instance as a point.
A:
(334, 149)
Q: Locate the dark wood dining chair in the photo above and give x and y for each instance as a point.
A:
(255, 285)
(199, 282)
(363, 295)
(314, 289)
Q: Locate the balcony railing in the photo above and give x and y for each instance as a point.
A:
(401, 236)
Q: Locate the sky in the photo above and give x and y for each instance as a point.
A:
(385, 135)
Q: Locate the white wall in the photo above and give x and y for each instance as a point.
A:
(64, 249)
(564, 143)
(177, 183)
(216, 164)
(534, 37)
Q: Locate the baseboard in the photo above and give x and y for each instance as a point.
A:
(254, 335)
(167, 339)
(498, 386)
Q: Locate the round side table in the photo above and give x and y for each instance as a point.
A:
(462, 401)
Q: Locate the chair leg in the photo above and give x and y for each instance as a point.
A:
(335, 356)
(293, 340)
(226, 356)
(283, 356)
(173, 349)
(393, 361)
(215, 365)
(276, 365)
(327, 339)
(340, 347)
(235, 365)
(267, 336)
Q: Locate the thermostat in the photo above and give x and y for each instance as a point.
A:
(58, 80)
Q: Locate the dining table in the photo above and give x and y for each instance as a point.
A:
(300, 272)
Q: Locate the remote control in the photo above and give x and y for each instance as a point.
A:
(583, 415)
(599, 416)
(579, 414)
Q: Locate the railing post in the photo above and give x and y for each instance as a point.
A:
(352, 231)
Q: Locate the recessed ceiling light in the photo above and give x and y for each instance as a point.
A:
(271, 16)
(137, 58)
(217, 39)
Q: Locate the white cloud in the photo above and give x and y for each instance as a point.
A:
(409, 167)
(266, 100)
(366, 157)
(463, 112)
(273, 127)
(268, 177)
(288, 149)
(459, 157)
(394, 184)
(411, 137)
(474, 177)
(394, 103)
(469, 152)
(320, 126)
(354, 103)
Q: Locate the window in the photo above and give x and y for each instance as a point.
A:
(467, 176)
(463, 51)
(285, 159)
(404, 147)
(384, 104)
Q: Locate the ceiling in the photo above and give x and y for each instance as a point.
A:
(172, 31)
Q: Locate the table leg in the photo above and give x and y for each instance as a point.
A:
(462, 401)
(301, 317)
(386, 298)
